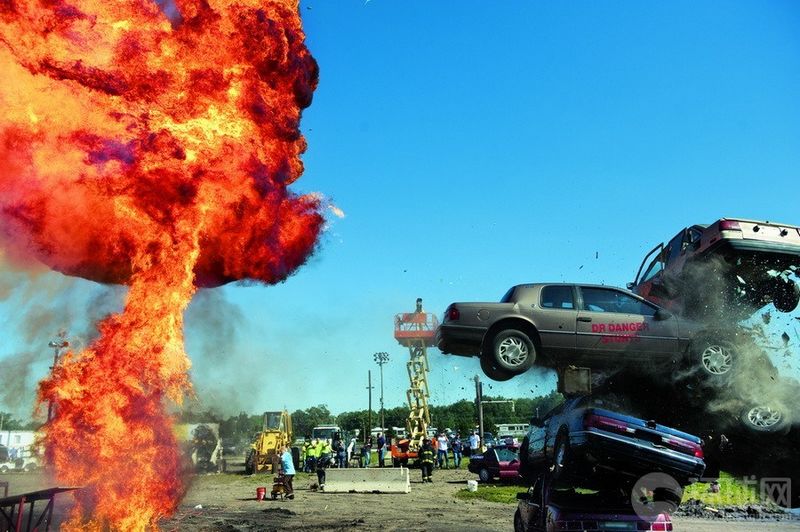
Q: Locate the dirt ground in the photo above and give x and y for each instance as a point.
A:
(226, 502)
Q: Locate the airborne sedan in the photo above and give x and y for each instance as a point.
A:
(557, 325)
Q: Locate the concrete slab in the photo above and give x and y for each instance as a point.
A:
(368, 480)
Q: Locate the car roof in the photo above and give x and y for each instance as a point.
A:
(562, 283)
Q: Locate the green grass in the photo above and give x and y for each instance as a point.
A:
(733, 491)
(494, 493)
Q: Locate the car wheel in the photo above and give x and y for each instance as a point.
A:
(764, 419)
(493, 372)
(561, 456)
(4, 469)
(716, 359)
(786, 296)
(484, 475)
(513, 351)
(519, 524)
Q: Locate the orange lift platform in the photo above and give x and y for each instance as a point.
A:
(416, 331)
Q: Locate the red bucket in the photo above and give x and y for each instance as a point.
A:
(261, 493)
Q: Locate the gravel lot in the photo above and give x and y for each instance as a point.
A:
(226, 502)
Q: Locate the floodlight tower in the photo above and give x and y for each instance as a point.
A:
(416, 330)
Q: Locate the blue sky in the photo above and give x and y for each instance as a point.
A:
(476, 145)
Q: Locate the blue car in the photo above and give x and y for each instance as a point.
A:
(586, 438)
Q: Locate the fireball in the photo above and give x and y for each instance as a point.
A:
(154, 152)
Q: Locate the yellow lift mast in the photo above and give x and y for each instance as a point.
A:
(415, 330)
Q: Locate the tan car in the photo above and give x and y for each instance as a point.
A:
(731, 267)
(596, 326)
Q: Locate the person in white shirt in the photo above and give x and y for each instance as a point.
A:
(474, 443)
(441, 454)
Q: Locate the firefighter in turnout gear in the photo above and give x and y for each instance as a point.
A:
(426, 455)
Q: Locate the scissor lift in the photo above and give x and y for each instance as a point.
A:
(415, 330)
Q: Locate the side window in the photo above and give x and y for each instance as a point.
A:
(692, 240)
(675, 247)
(654, 269)
(557, 297)
(607, 300)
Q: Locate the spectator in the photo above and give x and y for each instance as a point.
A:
(366, 451)
(441, 454)
(381, 448)
(426, 460)
(474, 443)
(287, 467)
(350, 448)
(341, 453)
(457, 448)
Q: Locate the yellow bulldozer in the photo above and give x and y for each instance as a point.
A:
(264, 454)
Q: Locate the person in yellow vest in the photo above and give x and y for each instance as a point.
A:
(323, 460)
(313, 454)
(306, 458)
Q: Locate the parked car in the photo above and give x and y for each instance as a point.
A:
(546, 508)
(732, 265)
(586, 435)
(597, 326)
(499, 461)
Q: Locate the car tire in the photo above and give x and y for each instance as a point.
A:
(786, 295)
(561, 456)
(519, 524)
(493, 372)
(513, 351)
(763, 419)
(484, 475)
(715, 359)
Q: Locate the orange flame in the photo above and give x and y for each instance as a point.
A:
(154, 153)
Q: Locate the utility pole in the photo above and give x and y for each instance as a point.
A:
(381, 359)
(58, 344)
(369, 411)
(479, 403)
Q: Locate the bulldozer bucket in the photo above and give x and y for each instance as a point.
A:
(368, 480)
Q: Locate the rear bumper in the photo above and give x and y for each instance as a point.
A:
(460, 339)
(777, 251)
(595, 448)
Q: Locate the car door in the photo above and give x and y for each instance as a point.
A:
(555, 319)
(613, 324)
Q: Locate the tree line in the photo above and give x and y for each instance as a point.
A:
(461, 416)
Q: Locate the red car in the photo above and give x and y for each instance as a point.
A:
(545, 508)
(500, 461)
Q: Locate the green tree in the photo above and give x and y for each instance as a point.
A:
(305, 420)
